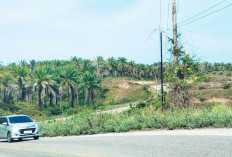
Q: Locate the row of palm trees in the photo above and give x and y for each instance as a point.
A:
(45, 80)
(74, 81)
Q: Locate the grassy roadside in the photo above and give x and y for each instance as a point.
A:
(137, 119)
(110, 107)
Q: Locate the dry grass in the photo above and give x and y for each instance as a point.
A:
(123, 90)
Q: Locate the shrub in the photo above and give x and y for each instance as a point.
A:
(228, 74)
(220, 73)
(136, 77)
(141, 105)
(200, 87)
(70, 111)
(207, 79)
(202, 98)
(226, 86)
(135, 119)
(146, 88)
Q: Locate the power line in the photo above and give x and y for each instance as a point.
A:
(160, 20)
(203, 12)
(166, 32)
(168, 12)
(206, 15)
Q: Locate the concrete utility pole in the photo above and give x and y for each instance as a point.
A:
(161, 64)
(174, 31)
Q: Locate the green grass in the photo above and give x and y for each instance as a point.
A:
(109, 107)
(120, 90)
(138, 119)
(223, 93)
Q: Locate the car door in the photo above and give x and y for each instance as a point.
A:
(3, 128)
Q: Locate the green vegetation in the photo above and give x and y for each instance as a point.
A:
(226, 85)
(200, 87)
(202, 98)
(50, 85)
(214, 93)
(78, 87)
(138, 119)
(220, 73)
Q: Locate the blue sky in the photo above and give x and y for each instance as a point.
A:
(58, 29)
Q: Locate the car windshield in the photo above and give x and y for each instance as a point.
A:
(20, 119)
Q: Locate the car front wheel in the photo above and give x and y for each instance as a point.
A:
(9, 138)
(36, 137)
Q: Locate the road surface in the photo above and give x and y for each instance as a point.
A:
(158, 87)
(199, 142)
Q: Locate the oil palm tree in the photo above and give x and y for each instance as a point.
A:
(90, 82)
(41, 81)
(99, 63)
(20, 73)
(122, 62)
(112, 65)
(6, 84)
(131, 68)
(32, 66)
(69, 79)
(78, 62)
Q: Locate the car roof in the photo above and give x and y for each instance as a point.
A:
(12, 116)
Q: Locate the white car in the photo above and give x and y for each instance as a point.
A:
(18, 127)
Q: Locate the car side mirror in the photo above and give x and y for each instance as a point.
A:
(5, 123)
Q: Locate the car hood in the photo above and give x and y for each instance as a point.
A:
(24, 125)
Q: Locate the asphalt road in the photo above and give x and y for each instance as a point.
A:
(148, 144)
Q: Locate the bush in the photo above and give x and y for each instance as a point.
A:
(228, 74)
(136, 119)
(202, 98)
(70, 111)
(141, 105)
(136, 77)
(207, 79)
(226, 86)
(220, 73)
(200, 87)
(146, 88)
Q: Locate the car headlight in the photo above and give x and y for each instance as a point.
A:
(15, 130)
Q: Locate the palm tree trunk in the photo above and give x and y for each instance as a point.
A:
(51, 99)
(61, 95)
(61, 101)
(56, 100)
(77, 93)
(72, 97)
(122, 69)
(69, 96)
(4, 95)
(92, 96)
(88, 97)
(40, 99)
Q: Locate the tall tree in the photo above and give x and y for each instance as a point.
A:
(32, 65)
(122, 62)
(20, 73)
(90, 82)
(69, 80)
(6, 83)
(100, 64)
(41, 81)
(78, 62)
(112, 65)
